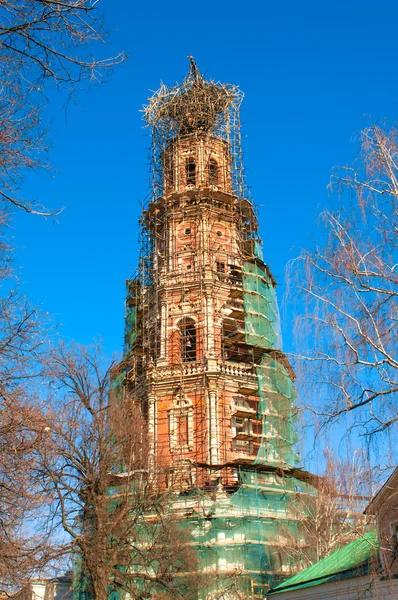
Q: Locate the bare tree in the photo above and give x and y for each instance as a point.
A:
(42, 43)
(347, 296)
(331, 515)
(24, 550)
(95, 468)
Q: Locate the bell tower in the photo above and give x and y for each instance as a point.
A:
(203, 353)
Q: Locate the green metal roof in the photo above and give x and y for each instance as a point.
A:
(345, 559)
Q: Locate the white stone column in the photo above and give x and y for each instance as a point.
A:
(213, 433)
(171, 249)
(204, 235)
(163, 330)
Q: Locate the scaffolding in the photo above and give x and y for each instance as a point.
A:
(195, 107)
(203, 349)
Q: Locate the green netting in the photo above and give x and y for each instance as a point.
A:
(242, 532)
(117, 381)
(238, 537)
(258, 250)
(262, 327)
(117, 385)
(276, 390)
(130, 328)
(275, 410)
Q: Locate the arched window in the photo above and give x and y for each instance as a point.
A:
(190, 169)
(188, 339)
(181, 423)
(213, 172)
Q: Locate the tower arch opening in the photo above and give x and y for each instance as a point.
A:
(190, 170)
(213, 172)
(188, 339)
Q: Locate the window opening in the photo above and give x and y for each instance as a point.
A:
(235, 274)
(242, 446)
(239, 426)
(188, 339)
(240, 403)
(242, 426)
(190, 168)
(220, 269)
(213, 172)
(224, 341)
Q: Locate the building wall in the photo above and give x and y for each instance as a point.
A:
(201, 149)
(387, 525)
(197, 260)
(47, 589)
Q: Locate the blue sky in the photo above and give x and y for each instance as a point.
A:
(313, 74)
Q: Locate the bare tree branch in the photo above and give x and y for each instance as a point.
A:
(94, 467)
(346, 294)
(43, 43)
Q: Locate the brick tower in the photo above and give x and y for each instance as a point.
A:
(202, 351)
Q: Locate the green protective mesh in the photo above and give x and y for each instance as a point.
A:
(262, 327)
(117, 385)
(276, 390)
(276, 413)
(258, 250)
(130, 328)
(238, 537)
(242, 532)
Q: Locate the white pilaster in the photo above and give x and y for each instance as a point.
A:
(152, 433)
(214, 449)
(163, 331)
